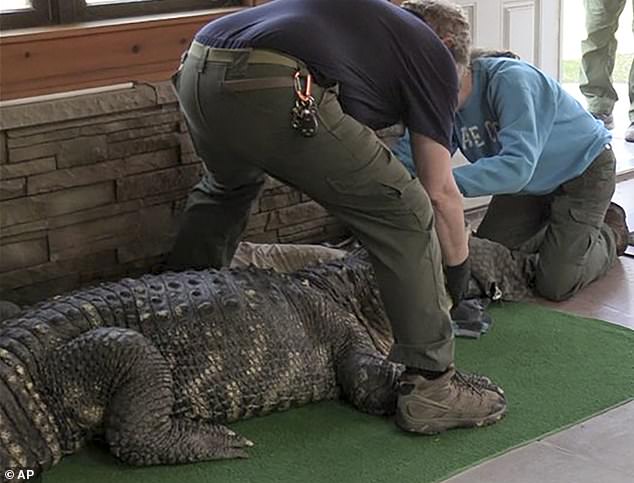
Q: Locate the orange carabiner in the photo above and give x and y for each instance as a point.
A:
(306, 95)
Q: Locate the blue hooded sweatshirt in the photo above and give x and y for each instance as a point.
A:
(521, 132)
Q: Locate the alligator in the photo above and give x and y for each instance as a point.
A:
(159, 365)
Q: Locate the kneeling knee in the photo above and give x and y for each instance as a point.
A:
(556, 288)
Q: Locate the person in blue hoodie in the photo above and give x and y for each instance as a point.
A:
(549, 166)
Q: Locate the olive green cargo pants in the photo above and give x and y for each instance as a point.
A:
(565, 228)
(599, 54)
(238, 113)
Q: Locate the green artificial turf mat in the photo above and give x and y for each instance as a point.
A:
(556, 369)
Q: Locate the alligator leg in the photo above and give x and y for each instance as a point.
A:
(498, 272)
(368, 380)
(117, 378)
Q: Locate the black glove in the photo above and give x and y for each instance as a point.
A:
(457, 280)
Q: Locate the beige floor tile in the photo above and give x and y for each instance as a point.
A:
(607, 440)
(541, 463)
(589, 308)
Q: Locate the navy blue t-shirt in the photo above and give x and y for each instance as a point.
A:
(390, 66)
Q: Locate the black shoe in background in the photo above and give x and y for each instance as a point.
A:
(470, 319)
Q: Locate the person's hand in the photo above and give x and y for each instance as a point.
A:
(457, 280)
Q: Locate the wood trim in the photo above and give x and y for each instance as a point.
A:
(57, 59)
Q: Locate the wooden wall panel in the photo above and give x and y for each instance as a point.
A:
(74, 57)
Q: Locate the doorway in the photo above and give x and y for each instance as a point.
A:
(573, 32)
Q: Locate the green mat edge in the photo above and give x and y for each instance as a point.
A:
(561, 428)
(537, 438)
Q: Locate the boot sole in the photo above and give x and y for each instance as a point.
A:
(621, 227)
(440, 425)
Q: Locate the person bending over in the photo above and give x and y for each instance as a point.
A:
(295, 89)
(549, 166)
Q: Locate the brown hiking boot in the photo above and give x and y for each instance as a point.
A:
(615, 219)
(453, 400)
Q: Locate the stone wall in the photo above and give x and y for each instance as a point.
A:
(91, 187)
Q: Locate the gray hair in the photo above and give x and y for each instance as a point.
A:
(450, 23)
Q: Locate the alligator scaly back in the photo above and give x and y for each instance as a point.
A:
(159, 364)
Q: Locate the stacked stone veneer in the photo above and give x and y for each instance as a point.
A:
(91, 188)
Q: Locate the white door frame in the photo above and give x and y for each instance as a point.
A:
(506, 23)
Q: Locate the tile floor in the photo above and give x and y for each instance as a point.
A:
(600, 450)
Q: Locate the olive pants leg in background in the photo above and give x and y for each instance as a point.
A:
(565, 228)
(238, 113)
(598, 56)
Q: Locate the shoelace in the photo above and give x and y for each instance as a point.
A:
(484, 383)
(472, 382)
